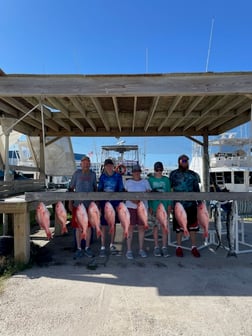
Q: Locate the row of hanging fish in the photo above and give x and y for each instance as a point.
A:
(92, 215)
(202, 217)
(43, 217)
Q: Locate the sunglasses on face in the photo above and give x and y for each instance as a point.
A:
(184, 160)
(158, 170)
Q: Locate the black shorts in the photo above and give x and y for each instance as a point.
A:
(192, 221)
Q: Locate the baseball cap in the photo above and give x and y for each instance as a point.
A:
(183, 156)
(136, 168)
(85, 158)
(108, 161)
(158, 166)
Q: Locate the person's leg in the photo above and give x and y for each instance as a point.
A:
(88, 237)
(164, 238)
(193, 238)
(78, 238)
(78, 252)
(156, 252)
(88, 251)
(155, 235)
(141, 236)
(179, 238)
(129, 240)
(113, 236)
(103, 236)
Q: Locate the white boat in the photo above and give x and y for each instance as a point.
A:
(230, 162)
(123, 156)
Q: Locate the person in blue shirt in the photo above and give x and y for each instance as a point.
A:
(109, 181)
(185, 180)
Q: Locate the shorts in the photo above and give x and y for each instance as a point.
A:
(103, 220)
(153, 222)
(134, 220)
(192, 221)
(74, 223)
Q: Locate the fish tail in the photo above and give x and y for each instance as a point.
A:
(49, 234)
(64, 230)
(98, 232)
(83, 235)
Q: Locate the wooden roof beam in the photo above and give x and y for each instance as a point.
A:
(134, 113)
(234, 115)
(23, 110)
(170, 111)
(48, 122)
(205, 112)
(63, 110)
(100, 111)
(117, 113)
(151, 113)
(82, 111)
(225, 110)
(188, 112)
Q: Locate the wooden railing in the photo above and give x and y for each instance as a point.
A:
(20, 207)
(17, 187)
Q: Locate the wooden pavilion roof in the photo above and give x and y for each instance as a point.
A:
(179, 104)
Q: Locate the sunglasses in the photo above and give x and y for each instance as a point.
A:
(158, 170)
(184, 161)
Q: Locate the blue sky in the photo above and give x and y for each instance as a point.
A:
(126, 37)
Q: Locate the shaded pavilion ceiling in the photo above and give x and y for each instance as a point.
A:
(179, 104)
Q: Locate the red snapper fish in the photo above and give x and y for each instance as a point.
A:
(181, 217)
(94, 217)
(61, 216)
(142, 214)
(203, 218)
(43, 218)
(109, 215)
(161, 216)
(82, 219)
(124, 217)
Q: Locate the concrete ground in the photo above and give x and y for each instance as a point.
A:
(156, 296)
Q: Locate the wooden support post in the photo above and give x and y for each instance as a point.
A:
(22, 237)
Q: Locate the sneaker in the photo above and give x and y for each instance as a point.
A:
(165, 252)
(129, 255)
(102, 253)
(142, 254)
(157, 252)
(195, 252)
(112, 248)
(88, 252)
(78, 254)
(179, 252)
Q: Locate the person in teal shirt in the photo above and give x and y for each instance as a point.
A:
(159, 183)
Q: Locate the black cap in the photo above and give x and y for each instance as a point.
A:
(183, 156)
(136, 168)
(108, 161)
(158, 165)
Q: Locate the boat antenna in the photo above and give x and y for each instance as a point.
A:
(146, 60)
(209, 44)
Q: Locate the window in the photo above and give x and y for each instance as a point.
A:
(239, 177)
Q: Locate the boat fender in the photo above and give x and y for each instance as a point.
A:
(121, 169)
